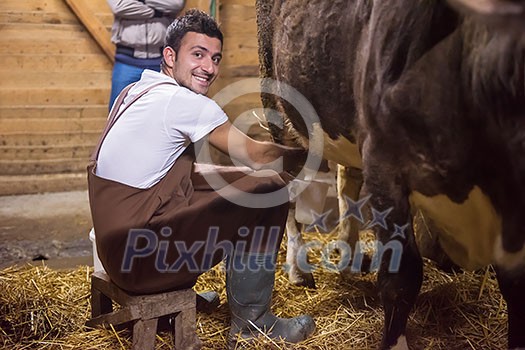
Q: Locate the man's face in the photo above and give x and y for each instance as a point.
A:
(196, 65)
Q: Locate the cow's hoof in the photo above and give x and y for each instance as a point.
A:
(301, 279)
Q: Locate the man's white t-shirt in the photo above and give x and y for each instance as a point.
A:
(154, 131)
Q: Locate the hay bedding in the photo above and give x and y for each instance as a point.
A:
(41, 308)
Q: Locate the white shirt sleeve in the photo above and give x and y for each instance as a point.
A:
(195, 115)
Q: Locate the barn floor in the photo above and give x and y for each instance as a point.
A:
(45, 305)
(50, 226)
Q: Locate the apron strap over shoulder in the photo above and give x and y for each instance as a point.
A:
(115, 113)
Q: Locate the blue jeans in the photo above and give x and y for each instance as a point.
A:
(123, 75)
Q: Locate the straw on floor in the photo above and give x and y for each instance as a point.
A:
(42, 308)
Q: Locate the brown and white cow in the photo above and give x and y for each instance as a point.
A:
(428, 99)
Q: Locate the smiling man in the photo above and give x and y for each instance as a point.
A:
(193, 60)
(158, 224)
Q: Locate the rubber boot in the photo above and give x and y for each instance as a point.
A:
(249, 286)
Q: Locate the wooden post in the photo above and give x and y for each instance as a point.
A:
(94, 26)
(215, 9)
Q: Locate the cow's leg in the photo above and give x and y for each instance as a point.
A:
(296, 276)
(400, 264)
(400, 287)
(400, 272)
(349, 183)
(512, 286)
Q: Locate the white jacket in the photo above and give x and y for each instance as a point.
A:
(141, 24)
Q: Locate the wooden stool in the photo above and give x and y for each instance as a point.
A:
(144, 311)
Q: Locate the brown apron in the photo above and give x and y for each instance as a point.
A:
(178, 215)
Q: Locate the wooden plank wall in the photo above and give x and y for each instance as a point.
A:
(55, 85)
(240, 57)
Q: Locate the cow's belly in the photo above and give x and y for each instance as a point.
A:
(469, 231)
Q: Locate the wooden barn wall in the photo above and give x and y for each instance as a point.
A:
(55, 85)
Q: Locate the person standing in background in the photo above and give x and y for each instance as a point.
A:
(138, 31)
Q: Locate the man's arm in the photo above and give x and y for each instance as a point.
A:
(255, 154)
(168, 7)
(131, 9)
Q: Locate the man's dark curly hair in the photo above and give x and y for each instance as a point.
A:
(193, 20)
